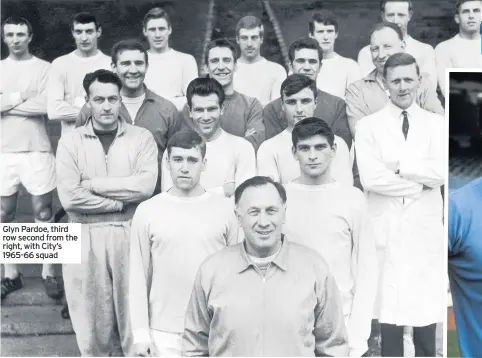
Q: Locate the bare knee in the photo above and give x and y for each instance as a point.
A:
(8, 215)
(43, 213)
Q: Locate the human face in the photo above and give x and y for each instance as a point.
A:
(16, 38)
(249, 41)
(325, 35)
(131, 68)
(205, 114)
(299, 106)
(469, 17)
(402, 83)
(220, 66)
(314, 155)
(105, 102)
(398, 13)
(383, 44)
(306, 62)
(157, 32)
(186, 166)
(261, 213)
(86, 37)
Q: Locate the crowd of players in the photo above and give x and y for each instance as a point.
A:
(165, 169)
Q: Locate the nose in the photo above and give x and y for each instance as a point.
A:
(221, 65)
(312, 154)
(157, 33)
(83, 36)
(299, 107)
(184, 166)
(306, 66)
(249, 42)
(263, 220)
(133, 68)
(205, 115)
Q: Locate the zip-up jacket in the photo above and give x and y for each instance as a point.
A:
(98, 187)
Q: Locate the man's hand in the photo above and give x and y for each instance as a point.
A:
(27, 95)
(143, 349)
(229, 189)
(250, 132)
(87, 184)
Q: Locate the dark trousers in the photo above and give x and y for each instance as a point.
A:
(423, 340)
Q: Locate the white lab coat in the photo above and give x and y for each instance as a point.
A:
(407, 216)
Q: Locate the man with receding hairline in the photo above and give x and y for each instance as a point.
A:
(401, 158)
(255, 76)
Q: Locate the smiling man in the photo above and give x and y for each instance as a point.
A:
(166, 253)
(401, 158)
(464, 49)
(340, 232)
(265, 296)
(274, 157)
(242, 115)
(140, 106)
(229, 159)
(255, 76)
(336, 71)
(400, 12)
(105, 168)
(66, 95)
(170, 71)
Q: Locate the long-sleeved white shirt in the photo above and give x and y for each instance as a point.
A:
(406, 210)
(424, 55)
(331, 219)
(66, 95)
(336, 74)
(275, 159)
(169, 74)
(228, 158)
(170, 238)
(261, 80)
(457, 52)
(23, 123)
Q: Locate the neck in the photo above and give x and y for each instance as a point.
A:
(215, 135)
(159, 50)
(405, 35)
(197, 190)
(263, 252)
(132, 93)
(21, 57)
(469, 35)
(85, 54)
(324, 178)
(250, 60)
(379, 79)
(104, 128)
(329, 54)
(229, 89)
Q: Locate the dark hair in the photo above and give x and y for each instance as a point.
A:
(186, 139)
(295, 83)
(310, 127)
(17, 20)
(250, 22)
(400, 59)
(384, 2)
(258, 181)
(102, 76)
(156, 13)
(129, 44)
(383, 25)
(84, 18)
(204, 86)
(324, 17)
(305, 43)
(223, 42)
(460, 3)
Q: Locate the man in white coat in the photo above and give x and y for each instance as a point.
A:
(400, 152)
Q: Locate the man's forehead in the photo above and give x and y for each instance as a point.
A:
(204, 101)
(402, 71)
(103, 89)
(220, 52)
(135, 55)
(304, 93)
(194, 152)
(313, 141)
(88, 26)
(15, 28)
(396, 6)
(383, 35)
(264, 196)
(250, 32)
(470, 5)
(306, 53)
(161, 22)
(322, 26)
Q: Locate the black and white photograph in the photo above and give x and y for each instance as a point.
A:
(251, 178)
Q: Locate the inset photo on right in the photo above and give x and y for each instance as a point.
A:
(464, 321)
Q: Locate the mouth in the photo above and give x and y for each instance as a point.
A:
(184, 178)
(222, 75)
(264, 232)
(315, 165)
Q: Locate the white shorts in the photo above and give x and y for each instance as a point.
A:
(34, 170)
(166, 344)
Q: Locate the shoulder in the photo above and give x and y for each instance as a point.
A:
(220, 260)
(444, 45)
(161, 103)
(364, 50)
(62, 60)
(42, 63)
(346, 61)
(238, 143)
(308, 257)
(185, 57)
(431, 117)
(464, 197)
(247, 101)
(72, 138)
(423, 46)
(330, 99)
(138, 132)
(275, 67)
(268, 145)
